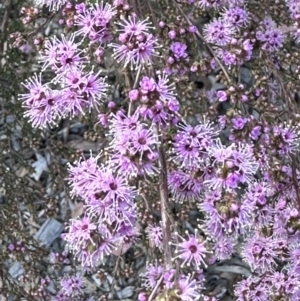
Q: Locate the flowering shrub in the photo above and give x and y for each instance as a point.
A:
(228, 151)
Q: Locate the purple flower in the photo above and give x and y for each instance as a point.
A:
(271, 37)
(114, 187)
(184, 186)
(11, 247)
(192, 29)
(223, 248)
(222, 96)
(189, 289)
(164, 88)
(218, 32)
(285, 139)
(94, 22)
(173, 105)
(229, 59)
(147, 85)
(82, 175)
(226, 213)
(60, 296)
(191, 143)
(236, 16)
(72, 286)
(45, 110)
(222, 120)
(239, 122)
(80, 232)
(158, 99)
(134, 140)
(152, 274)
(133, 26)
(133, 146)
(80, 8)
(255, 132)
(179, 50)
(247, 47)
(294, 8)
(143, 141)
(172, 34)
(142, 296)
(138, 45)
(134, 95)
(90, 89)
(26, 48)
(110, 200)
(259, 252)
(89, 242)
(169, 278)
(234, 164)
(61, 55)
(161, 24)
(260, 292)
(191, 250)
(155, 236)
(36, 91)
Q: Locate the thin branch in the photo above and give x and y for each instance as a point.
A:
(133, 87)
(155, 288)
(233, 269)
(4, 24)
(164, 197)
(295, 180)
(200, 36)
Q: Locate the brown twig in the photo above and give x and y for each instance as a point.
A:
(201, 37)
(155, 288)
(165, 215)
(4, 24)
(295, 181)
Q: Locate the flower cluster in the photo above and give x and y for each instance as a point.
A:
(94, 22)
(233, 165)
(223, 160)
(110, 218)
(184, 288)
(133, 146)
(79, 90)
(157, 100)
(137, 46)
(71, 287)
(226, 213)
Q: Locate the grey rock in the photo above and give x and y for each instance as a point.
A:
(16, 270)
(126, 292)
(49, 231)
(246, 76)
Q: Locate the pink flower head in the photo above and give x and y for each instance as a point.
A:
(61, 55)
(185, 186)
(236, 16)
(94, 22)
(155, 236)
(218, 32)
(179, 50)
(191, 143)
(138, 44)
(222, 96)
(152, 274)
(260, 253)
(234, 164)
(191, 250)
(189, 289)
(72, 286)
